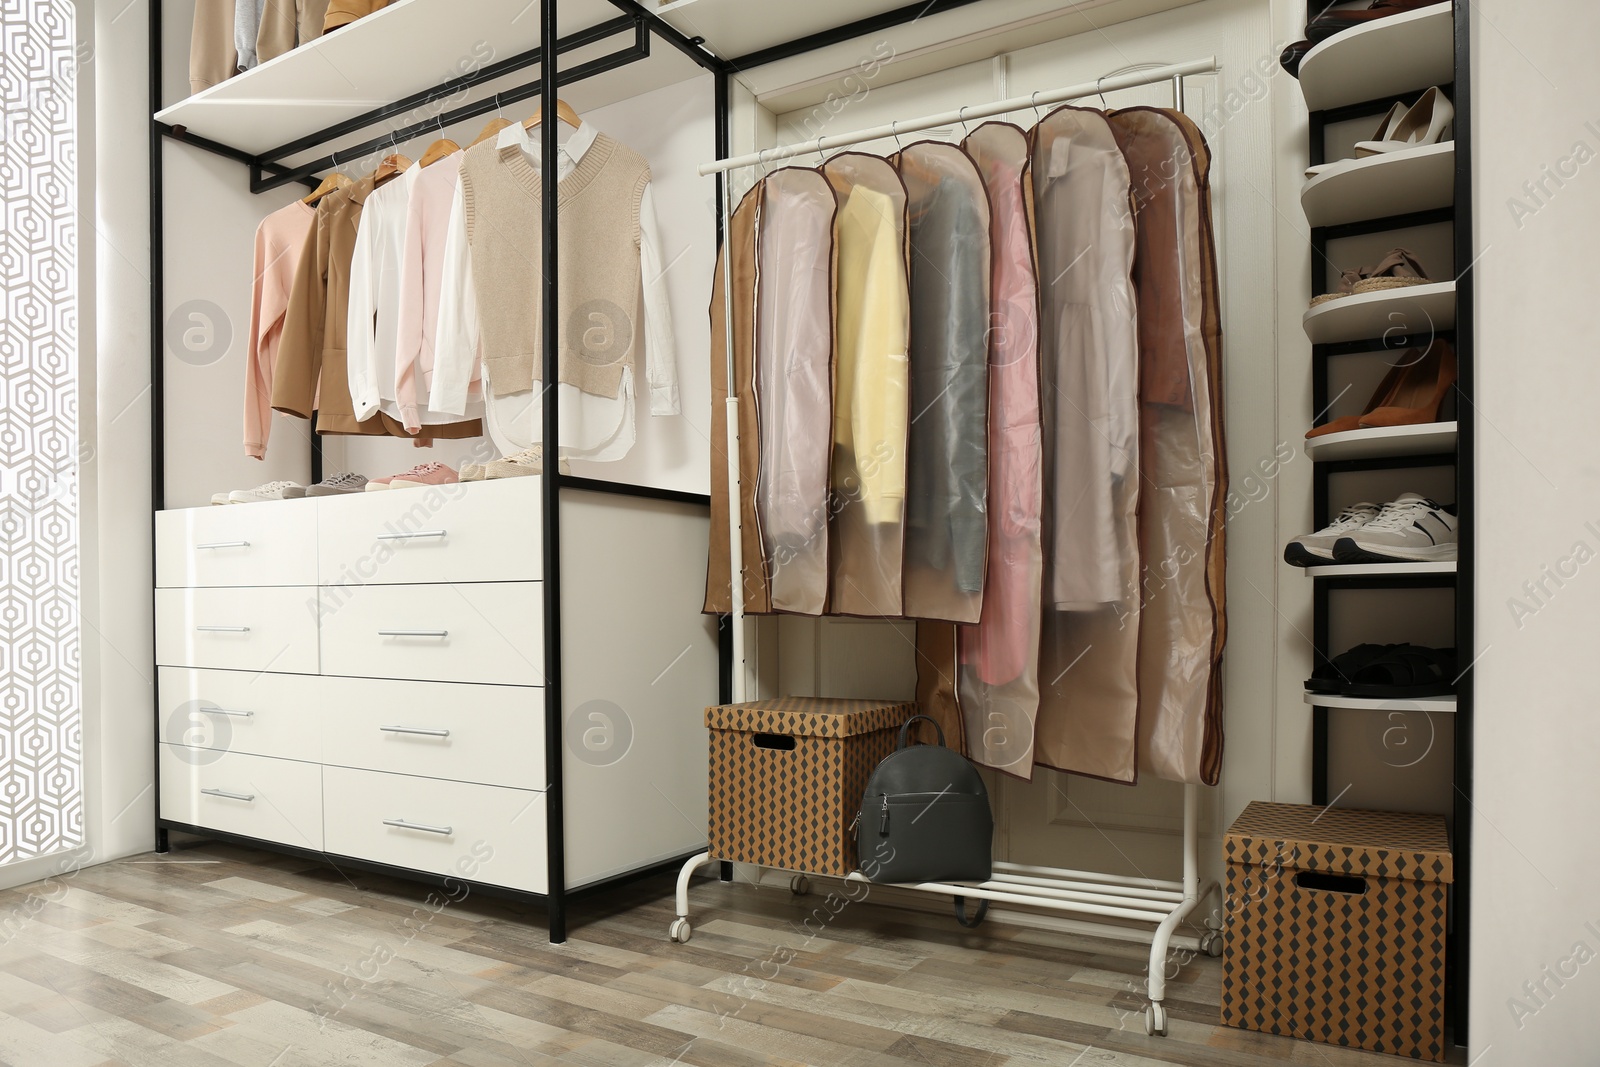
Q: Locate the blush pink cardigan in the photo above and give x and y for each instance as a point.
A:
(279, 241)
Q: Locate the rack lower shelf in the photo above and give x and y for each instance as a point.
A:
(1383, 442)
(1333, 700)
(1412, 310)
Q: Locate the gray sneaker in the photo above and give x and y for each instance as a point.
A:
(1316, 549)
(339, 484)
(270, 491)
(1412, 529)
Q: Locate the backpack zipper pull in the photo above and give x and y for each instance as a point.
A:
(883, 827)
(855, 822)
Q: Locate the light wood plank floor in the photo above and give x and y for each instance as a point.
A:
(224, 957)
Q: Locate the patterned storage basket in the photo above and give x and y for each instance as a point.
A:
(787, 776)
(1335, 927)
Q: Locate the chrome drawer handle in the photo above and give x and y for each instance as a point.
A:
(442, 831)
(247, 797)
(413, 633)
(409, 536)
(414, 730)
(225, 711)
(225, 544)
(223, 629)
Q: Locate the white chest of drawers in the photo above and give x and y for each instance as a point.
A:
(364, 676)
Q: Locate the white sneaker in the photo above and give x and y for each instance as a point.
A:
(1412, 529)
(1316, 549)
(220, 498)
(270, 491)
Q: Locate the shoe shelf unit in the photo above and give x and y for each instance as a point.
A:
(1355, 77)
(1394, 183)
(1378, 442)
(1428, 704)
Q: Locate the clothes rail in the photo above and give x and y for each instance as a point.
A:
(1166, 905)
(1174, 73)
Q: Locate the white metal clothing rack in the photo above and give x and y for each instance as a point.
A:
(1164, 904)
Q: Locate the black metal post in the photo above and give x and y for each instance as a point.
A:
(550, 321)
(158, 340)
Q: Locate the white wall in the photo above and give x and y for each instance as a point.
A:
(1536, 915)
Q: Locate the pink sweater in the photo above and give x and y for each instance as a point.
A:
(421, 268)
(279, 241)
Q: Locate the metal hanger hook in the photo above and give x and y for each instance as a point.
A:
(961, 117)
(896, 135)
(1098, 82)
(1035, 100)
(820, 158)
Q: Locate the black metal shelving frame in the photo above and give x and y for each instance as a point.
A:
(273, 169)
(1459, 216)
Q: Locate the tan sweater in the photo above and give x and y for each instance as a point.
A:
(287, 23)
(598, 239)
(212, 58)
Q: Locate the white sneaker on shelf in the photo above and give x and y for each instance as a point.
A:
(221, 498)
(270, 491)
(1316, 549)
(1412, 529)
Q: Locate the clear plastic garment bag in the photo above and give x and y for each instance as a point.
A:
(871, 412)
(998, 659)
(1181, 517)
(947, 530)
(794, 385)
(1089, 704)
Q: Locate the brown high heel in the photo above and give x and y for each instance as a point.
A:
(1381, 396)
(1420, 394)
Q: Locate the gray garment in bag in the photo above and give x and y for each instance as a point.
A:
(246, 27)
(947, 526)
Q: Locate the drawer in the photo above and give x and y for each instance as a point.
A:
(254, 712)
(480, 833)
(468, 532)
(272, 799)
(270, 543)
(272, 629)
(490, 632)
(490, 734)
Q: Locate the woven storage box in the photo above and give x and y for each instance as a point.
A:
(787, 777)
(1336, 927)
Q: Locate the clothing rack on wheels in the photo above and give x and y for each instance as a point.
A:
(1164, 904)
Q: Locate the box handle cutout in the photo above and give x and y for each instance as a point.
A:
(775, 742)
(1330, 883)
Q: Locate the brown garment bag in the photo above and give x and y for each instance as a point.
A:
(1183, 460)
(740, 246)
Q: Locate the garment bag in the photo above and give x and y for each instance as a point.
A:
(870, 404)
(1181, 450)
(947, 470)
(1088, 326)
(999, 657)
(794, 387)
(740, 248)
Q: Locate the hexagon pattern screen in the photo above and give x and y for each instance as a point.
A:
(41, 783)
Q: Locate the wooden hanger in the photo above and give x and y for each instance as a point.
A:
(494, 127)
(564, 112)
(331, 183)
(439, 150)
(391, 166)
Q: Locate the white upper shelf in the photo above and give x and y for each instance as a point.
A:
(1394, 183)
(1387, 57)
(1417, 310)
(1330, 700)
(404, 49)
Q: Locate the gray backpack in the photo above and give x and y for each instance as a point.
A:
(925, 816)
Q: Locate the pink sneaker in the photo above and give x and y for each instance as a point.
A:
(424, 474)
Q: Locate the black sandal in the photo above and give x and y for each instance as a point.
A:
(1332, 676)
(1406, 671)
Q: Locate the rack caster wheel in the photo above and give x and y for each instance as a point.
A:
(977, 916)
(1155, 1020)
(799, 885)
(1211, 943)
(679, 931)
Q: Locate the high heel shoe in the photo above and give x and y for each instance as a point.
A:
(1412, 392)
(1386, 130)
(1420, 393)
(1430, 120)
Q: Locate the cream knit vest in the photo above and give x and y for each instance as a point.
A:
(598, 244)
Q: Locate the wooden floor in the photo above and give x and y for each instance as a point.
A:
(223, 957)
